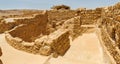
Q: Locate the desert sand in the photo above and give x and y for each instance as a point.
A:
(13, 56)
(85, 49)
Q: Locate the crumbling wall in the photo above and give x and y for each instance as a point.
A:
(74, 26)
(110, 45)
(61, 42)
(5, 26)
(32, 37)
(30, 31)
(57, 18)
(89, 16)
(57, 43)
(38, 41)
(58, 15)
(8, 25)
(112, 28)
(110, 20)
(110, 31)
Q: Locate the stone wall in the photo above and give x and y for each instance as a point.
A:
(110, 31)
(5, 26)
(111, 22)
(57, 43)
(58, 15)
(32, 37)
(89, 16)
(8, 25)
(35, 27)
(74, 26)
(56, 18)
(110, 45)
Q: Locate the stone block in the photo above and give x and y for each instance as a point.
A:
(45, 50)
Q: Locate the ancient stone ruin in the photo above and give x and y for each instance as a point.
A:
(110, 31)
(32, 37)
(49, 32)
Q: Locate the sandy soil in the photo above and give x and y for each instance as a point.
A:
(85, 49)
(13, 56)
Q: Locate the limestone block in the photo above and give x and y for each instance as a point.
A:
(40, 41)
(55, 55)
(45, 50)
(27, 43)
(60, 39)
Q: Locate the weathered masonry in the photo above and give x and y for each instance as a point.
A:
(32, 37)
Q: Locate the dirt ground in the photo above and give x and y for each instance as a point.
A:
(85, 49)
(13, 56)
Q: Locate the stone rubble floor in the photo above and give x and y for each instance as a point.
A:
(85, 49)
